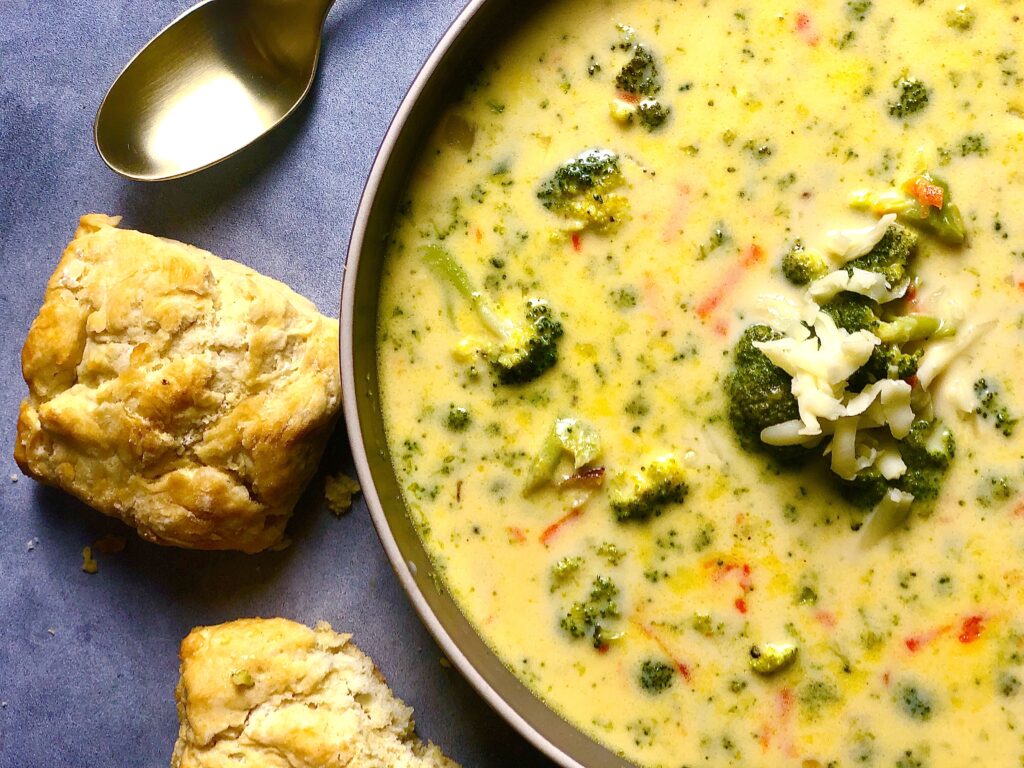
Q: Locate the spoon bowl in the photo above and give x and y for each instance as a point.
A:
(209, 84)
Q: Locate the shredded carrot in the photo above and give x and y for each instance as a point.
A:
(826, 619)
(516, 535)
(684, 669)
(927, 193)
(677, 218)
(629, 98)
(752, 256)
(806, 30)
(915, 643)
(577, 242)
(971, 629)
(552, 530)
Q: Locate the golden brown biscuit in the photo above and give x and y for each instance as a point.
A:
(185, 394)
(276, 694)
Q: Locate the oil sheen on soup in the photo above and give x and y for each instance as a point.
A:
(700, 344)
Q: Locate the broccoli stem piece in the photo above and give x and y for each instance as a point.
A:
(524, 350)
(571, 436)
(924, 201)
(770, 658)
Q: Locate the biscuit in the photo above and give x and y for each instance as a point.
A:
(185, 394)
(276, 694)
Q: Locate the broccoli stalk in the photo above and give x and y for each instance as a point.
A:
(853, 312)
(924, 201)
(571, 436)
(581, 191)
(523, 350)
(643, 493)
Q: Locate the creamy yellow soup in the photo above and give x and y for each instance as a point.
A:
(906, 650)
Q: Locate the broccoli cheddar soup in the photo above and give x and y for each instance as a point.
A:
(701, 339)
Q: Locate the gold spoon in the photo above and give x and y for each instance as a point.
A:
(209, 84)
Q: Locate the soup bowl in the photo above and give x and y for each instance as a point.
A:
(470, 38)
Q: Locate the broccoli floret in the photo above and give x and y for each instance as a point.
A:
(924, 201)
(864, 491)
(927, 451)
(759, 395)
(592, 615)
(640, 80)
(656, 676)
(643, 493)
(527, 351)
(523, 350)
(890, 256)
(651, 113)
(801, 266)
(565, 571)
(991, 406)
(457, 418)
(640, 75)
(853, 312)
(581, 191)
(887, 361)
(911, 99)
(916, 703)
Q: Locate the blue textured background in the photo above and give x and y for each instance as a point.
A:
(88, 663)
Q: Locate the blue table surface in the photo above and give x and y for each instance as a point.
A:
(88, 663)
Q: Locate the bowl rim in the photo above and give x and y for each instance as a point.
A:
(350, 406)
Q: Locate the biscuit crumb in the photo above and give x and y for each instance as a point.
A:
(89, 565)
(31, 543)
(339, 490)
(14, 478)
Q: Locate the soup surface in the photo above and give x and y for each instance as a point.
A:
(756, 616)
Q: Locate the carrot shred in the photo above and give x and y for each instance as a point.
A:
(683, 668)
(752, 256)
(552, 530)
(925, 192)
(971, 629)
